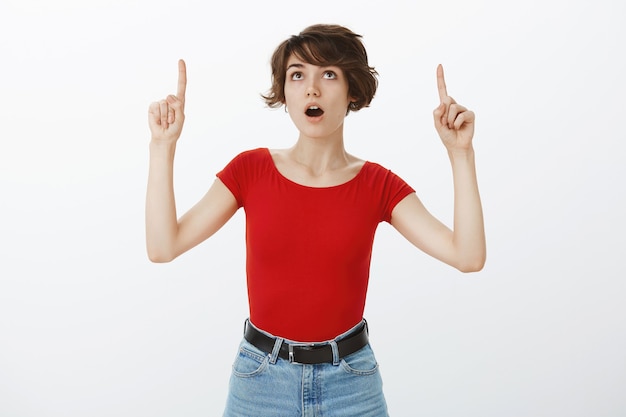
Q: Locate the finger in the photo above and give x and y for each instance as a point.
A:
(446, 102)
(171, 116)
(175, 109)
(441, 83)
(453, 111)
(439, 115)
(182, 80)
(464, 118)
(164, 109)
(154, 114)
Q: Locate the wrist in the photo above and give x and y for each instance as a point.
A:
(160, 149)
(161, 145)
(461, 154)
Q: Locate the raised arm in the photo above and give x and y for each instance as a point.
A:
(167, 236)
(464, 246)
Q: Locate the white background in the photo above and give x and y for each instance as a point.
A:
(89, 327)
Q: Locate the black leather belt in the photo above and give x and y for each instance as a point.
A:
(312, 353)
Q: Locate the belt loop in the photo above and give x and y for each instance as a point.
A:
(333, 345)
(274, 355)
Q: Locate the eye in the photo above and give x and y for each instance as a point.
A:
(296, 75)
(330, 75)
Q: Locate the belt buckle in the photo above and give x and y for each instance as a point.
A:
(291, 347)
(291, 358)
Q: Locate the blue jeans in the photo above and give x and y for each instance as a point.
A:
(265, 385)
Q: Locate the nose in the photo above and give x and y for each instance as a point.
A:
(312, 90)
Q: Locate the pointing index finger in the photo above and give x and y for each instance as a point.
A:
(182, 80)
(441, 83)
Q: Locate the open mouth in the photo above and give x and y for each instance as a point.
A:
(314, 111)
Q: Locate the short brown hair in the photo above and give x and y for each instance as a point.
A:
(326, 45)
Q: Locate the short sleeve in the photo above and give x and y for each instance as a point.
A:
(238, 174)
(395, 190)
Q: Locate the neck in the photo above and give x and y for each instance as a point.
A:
(320, 155)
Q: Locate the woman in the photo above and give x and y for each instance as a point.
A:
(311, 214)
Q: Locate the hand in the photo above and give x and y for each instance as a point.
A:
(166, 117)
(454, 123)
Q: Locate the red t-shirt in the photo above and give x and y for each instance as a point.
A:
(309, 249)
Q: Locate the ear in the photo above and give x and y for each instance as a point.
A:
(353, 101)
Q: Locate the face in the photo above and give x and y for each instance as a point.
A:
(317, 98)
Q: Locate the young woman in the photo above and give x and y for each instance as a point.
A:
(311, 214)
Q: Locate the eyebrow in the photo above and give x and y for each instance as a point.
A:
(300, 65)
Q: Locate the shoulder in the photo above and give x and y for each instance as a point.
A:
(375, 170)
(377, 175)
(248, 158)
(252, 154)
(244, 170)
(246, 162)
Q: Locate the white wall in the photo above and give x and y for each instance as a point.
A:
(89, 327)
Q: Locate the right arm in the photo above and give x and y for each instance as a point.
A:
(167, 236)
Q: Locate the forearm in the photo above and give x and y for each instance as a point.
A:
(469, 233)
(161, 217)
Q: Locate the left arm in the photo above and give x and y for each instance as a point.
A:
(464, 246)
